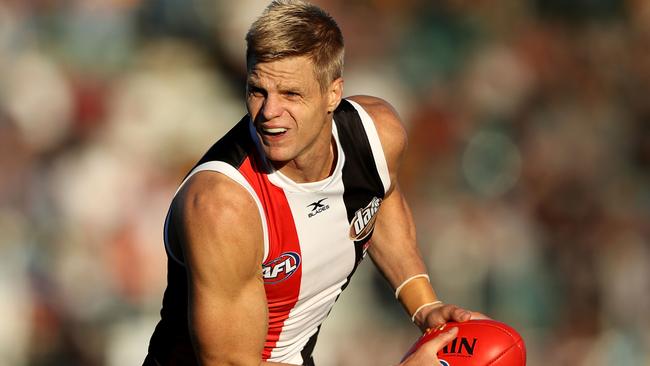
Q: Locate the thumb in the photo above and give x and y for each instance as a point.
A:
(433, 346)
(426, 354)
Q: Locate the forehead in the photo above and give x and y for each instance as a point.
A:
(287, 71)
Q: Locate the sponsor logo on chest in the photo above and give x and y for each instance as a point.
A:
(280, 268)
(460, 346)
(364, 220)
(317, 207)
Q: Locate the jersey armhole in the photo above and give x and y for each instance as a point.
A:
(375, 145)
(232, 173)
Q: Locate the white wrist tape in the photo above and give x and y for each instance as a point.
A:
(422, 307)
(400, 287)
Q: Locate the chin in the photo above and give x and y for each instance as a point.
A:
(278, 155)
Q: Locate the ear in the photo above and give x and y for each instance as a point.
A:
(334, 94)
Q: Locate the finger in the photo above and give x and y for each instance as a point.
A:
(448, 313)
(436, 344)
(426, 354)
(460, 315)
(476, 315)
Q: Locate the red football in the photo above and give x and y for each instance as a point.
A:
(479, 343)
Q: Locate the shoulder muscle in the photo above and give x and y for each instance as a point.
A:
(219, 228)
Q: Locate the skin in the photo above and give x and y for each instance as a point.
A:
(285, 94)
(227, 301)
(394, 235)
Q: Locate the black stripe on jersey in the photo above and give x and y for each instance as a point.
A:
(306, 353)
(361, 182)
(361, 178)
(170, 343)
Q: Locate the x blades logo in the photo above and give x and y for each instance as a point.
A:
(317, 207)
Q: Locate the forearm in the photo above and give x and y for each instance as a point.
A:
(396, 272)
(394, 249)
(395, 252)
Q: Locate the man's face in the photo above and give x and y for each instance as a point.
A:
(288, 108)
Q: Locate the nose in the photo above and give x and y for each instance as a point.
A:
(272, 107)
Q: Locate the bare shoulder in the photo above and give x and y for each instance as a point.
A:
(383, 114)
(390, 129)
(215, 194)
(216, 217)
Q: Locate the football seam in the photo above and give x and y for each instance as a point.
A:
(503, 353)
(501, 328)
(507, 349)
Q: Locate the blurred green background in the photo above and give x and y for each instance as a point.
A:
(527, 170)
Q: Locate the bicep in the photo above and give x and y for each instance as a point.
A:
(221, 237)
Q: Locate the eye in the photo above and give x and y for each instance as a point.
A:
(291, 94)
(255, 91)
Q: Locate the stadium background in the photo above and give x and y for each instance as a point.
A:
(527, 171)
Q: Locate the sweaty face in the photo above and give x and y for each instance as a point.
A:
(289, 110)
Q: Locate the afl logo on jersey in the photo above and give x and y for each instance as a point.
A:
(364, 220)
(280, 268)
(444, 363)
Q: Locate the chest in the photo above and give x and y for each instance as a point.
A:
(310, 248)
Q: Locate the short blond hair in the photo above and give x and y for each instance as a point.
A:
(289, 28)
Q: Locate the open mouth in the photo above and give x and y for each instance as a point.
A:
(274, 131)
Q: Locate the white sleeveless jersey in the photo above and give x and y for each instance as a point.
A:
(315, 234)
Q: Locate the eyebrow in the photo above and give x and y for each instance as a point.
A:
(253, 82)
(290, 87)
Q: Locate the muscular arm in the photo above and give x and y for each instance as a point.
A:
(221, 236)
(394, 234)
(394, 247)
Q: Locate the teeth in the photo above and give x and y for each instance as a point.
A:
(275, 130)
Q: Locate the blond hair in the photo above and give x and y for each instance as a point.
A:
(289, 28)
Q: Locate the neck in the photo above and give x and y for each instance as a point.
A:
(311, 167)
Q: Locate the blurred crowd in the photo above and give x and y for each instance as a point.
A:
(527, 171)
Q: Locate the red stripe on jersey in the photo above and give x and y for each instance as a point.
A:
(283, 267)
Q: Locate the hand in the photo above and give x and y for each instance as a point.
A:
(435, 316)
(426, 354)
